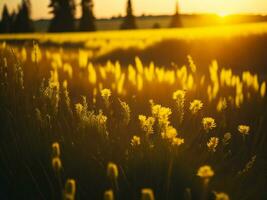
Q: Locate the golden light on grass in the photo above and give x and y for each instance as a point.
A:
(161, 127)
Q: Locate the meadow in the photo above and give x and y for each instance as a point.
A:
(88, 116)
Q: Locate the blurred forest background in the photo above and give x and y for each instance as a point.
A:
(64, 20)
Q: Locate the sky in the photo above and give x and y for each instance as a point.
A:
(108, 8)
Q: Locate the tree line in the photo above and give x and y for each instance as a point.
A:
(64, 20)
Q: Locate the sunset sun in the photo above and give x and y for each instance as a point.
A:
(223, 13)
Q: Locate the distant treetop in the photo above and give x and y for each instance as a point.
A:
(87, 21)
(176, 21)
(129, 20)
(64, 16)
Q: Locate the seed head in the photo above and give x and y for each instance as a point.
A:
(112, 171)
(147, 194)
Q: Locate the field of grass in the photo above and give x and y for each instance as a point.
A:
(74, 126)
(231, 45)
(148, 22)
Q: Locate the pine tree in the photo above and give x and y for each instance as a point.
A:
(176, 18)
(129, 20)
(5, 23)
(87, 21)
(64, 16)
(23, 22)
(12, 21)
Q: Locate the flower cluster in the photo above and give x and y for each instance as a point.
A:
(147, 124)
(169, 133)
(177, 141)
(179, 97)
(161, 114)
(126, 112)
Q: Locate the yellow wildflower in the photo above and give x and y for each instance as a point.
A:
(106, 93)
(221, 196)
(195, 106)
(170, 133)
(162, 115)
(208, 123)
(205, 172)
(213, 143)
(179, 97)
(126, 112)
(147, 123)
(78, 107)
(177, 141)
(179, 94)
(135, 141)
(108, 195)
(244, 129)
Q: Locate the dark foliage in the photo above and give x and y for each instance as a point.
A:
(5, 23)
(12, 21)
(129, 20)
(87, 22)
(64, 16)
(22, 21)
(17, 22)
(176, 19)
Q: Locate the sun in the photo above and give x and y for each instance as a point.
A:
(223, 13)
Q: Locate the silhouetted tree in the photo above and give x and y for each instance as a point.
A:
(64, 16)
(12, 21)
(87, 22)
(129, 20)
(176, 18)
(23, 22)
(5, 23)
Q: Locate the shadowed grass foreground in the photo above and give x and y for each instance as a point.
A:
(79, 129)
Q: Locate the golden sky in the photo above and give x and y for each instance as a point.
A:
(108, 8)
